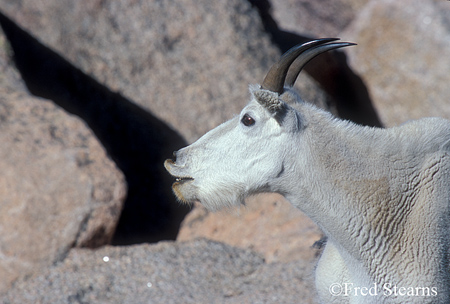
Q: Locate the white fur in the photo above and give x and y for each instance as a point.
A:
(381, 196)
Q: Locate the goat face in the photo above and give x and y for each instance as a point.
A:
(240, 157)
(249, 153)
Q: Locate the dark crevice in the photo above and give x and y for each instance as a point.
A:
(135, 140)
(330, 70)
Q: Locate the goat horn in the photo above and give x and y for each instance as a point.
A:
(274, 80)
(305, 57)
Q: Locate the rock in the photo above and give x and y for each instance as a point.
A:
(268, 224)
(347, 96)
(189, 64)
(186, 272)
(58, 188)
(403, 55)
(316, 18)
(136, 140)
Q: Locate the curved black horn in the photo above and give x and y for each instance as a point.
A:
(274, 80)
(306, 56)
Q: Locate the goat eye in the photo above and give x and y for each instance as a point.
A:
(247, 120)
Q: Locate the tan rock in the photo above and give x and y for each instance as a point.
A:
(267, 224)
(58, 189)
(188, 64)
(403, 55)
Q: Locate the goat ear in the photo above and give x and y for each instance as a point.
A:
(269, 100)
(288, 118)
(285, 115)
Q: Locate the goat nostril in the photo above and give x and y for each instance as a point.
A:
(174, 153)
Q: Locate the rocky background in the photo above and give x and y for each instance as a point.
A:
(96, 94)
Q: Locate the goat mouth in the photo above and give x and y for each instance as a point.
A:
(183, 179)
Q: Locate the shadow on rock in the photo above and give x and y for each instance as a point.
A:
(137, 141)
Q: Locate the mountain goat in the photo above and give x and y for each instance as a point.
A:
(381, 196)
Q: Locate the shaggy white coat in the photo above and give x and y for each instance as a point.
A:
(381, 196)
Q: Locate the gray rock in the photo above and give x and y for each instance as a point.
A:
(293, 22)
(188, 272)
(403, 55)
(58, 188)
(189, 63)
(316, 18)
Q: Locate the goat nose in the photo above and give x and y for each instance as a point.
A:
(179, 157)
(175, 155)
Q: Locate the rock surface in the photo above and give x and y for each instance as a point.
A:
(189, 64)
(403, 55)
(102, 40)
(58, 189)
(268, 224)
(184, 272)
(316, 18)
(135, 139)
(178, 61)
(292, 22)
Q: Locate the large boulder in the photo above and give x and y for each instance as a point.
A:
(58, 188)
(135, 139)
(403, 55)
(189, 64)
(186, 272)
